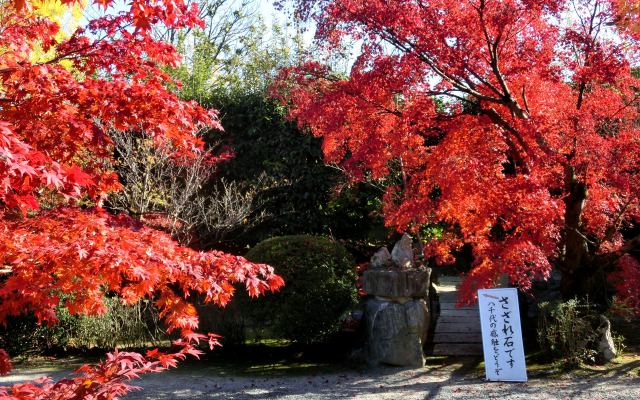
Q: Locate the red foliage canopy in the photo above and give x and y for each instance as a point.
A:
(513, 122)
(56, 112)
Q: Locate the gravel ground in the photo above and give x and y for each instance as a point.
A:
(382, 384)
(432, 382)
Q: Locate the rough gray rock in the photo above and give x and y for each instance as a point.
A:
(402, 253)
(606, 347)
(381, 259)
(397, 332)
(397, 283)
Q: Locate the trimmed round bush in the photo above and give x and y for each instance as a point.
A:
(320, 285)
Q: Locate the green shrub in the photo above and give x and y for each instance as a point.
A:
(320, 285)
(227, 321)
(619, 343)
(121, 326)
(568, 330)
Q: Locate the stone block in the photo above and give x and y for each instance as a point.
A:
(397, 283)
(397, 332)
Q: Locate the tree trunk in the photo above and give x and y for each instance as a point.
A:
(575, 263)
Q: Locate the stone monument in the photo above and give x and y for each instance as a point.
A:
(397, 313)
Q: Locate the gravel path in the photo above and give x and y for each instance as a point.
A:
(432, 382)
(381, 384)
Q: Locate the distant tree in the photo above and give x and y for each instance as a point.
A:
(273, 160)
(233, 51)
(296, 192)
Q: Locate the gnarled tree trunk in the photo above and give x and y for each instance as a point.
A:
(575, 262)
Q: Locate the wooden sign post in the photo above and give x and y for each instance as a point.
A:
(502, 335)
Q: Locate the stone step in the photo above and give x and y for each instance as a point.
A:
(449, 279)
(460, 313)
(452, 306)
(448, 319)
(455, 337)
(457, 349)
(457, 330)
(445, 290)
(460, 327)
(448, 297)
(445, 287)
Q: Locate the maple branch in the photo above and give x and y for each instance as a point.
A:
(496, 118)
(391, 37)
(484, 81)
(376, 184)
(409, 48)
(613, 228)
(524, 98)
(403, 44)
(581, 89)
(630, 245)
(583, 84)
(492, 47)
(582, 235)
(635, 98)
(621, 252)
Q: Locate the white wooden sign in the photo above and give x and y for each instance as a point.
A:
(502, 335)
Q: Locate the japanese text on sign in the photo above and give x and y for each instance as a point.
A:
(502, 335)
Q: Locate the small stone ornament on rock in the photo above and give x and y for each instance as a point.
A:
(402, 253)
(381, 259)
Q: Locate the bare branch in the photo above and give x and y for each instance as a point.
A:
(155, 181)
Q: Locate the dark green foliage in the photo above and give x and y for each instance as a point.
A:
(22, 335)
(355, 214)
(298, 182)
(228, 322)
(299, 191)
(320, 285)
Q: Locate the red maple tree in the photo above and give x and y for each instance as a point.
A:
(513, 124)
(59, 101)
